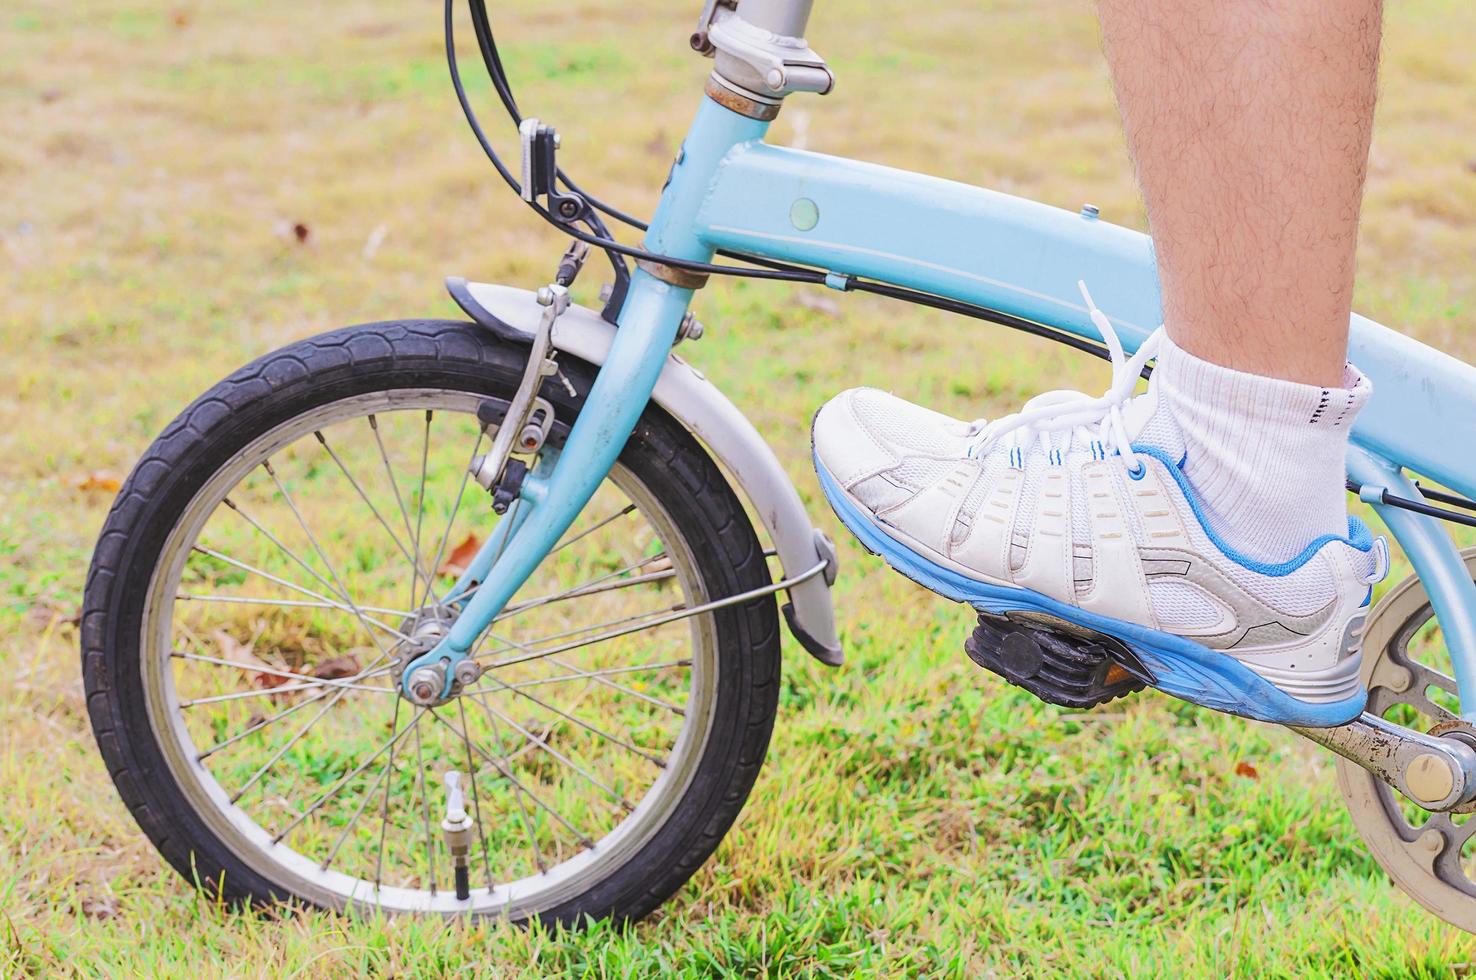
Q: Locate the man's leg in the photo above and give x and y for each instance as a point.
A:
(1249, 124)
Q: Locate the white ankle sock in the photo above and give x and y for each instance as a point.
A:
(1265, 455)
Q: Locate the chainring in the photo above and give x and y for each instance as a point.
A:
(1427, 854)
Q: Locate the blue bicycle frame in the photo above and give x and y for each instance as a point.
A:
(729, 190)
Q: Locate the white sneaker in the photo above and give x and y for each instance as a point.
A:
(1075, 512)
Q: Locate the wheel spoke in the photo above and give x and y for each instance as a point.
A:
(506, 767)
(323, 441)
(343, 781)
(601, 584)
(384, 807)
(602, 672)
(455, 509)
(261, 529)
(365, 621)
(627, 509)
(273, 672)
(604, 681)
(254, 693)
(297, 737)
(430, 844)
(292, 604)
(509, 644)
(353, 821)
(551, 653)
(543, 744)
(420, 500)
(471, 775)
(582, 724)
(333, 572)
(389, 471)
(576, 593)
(507, 774)
(291, 710)
(531, 654)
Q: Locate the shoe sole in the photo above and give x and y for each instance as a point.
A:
(1178, 666)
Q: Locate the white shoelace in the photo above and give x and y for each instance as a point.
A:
(1071, 413)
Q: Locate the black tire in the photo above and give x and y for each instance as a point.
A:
(402, 355)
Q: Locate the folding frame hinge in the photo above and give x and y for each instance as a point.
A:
(762, 62)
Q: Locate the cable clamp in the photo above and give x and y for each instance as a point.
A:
(540, 146)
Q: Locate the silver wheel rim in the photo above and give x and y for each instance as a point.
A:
(1429, 855)
(291, 870)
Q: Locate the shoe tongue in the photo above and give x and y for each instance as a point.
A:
(1150, 423)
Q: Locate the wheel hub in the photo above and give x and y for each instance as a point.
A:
(426, 684)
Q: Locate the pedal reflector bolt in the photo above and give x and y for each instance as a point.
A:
(1429, 778)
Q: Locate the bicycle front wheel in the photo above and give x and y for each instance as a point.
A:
(279, 551)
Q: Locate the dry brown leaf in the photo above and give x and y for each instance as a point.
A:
(241, 655)
(336, 668)
(461, 556)
(43, 616)
(1243, 768)
(99, 480)
(100, 906)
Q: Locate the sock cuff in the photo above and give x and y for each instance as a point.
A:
(1259, 399)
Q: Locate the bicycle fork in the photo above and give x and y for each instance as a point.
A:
(552, 496)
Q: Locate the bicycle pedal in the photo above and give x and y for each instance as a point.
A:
(1058, 667)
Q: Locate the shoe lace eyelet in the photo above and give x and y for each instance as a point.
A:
(1140, 471)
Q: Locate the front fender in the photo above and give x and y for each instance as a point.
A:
(684, 393)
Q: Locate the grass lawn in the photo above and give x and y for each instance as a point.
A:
(187, 185)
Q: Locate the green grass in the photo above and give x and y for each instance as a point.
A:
(916, 816)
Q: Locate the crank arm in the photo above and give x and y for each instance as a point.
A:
(1436, 772)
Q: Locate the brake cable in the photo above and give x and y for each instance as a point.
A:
(1381, 496)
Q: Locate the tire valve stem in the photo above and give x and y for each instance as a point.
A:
(458, 830)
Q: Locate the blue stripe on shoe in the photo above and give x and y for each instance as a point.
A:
(1359, 536)
(1179, 666)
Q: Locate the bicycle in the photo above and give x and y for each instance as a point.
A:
(596, 674)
